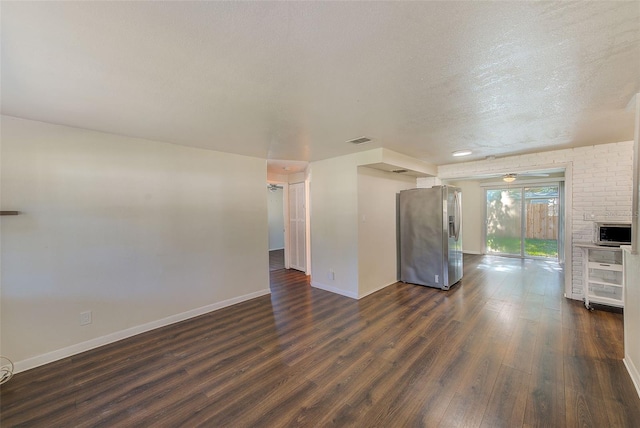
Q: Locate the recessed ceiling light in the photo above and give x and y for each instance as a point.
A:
(462, 153)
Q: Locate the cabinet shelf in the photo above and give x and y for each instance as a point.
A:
(603, 275)
(606, 301)
(605, 266)
(600, 282)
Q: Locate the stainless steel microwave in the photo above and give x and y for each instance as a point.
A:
(612, 234)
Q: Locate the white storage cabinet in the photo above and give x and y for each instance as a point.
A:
(603, 276)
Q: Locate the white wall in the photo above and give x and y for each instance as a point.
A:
(141, 233)
(377, 252)
(337, 236)
(428, 182)
(275, 219)
(334, 224)
(632, 315)
(599, 183)
(632, 274)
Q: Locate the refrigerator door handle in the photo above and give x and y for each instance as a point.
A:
(457, 214)
(452, 226)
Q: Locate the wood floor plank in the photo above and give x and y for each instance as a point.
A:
(532, 307)
(580, 375)
(584, 410)
(501, 348)
(468, 406)
(621, 415)
(550, 335)
(508, 400)
(423, 388)
(546, 406)
(523, 341)
(331, 389)
(616, 385)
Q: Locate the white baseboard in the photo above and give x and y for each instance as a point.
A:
(633, 372)
(275, 249)
(334, 290)
(479, 253)
(59, 354)
(374, 290)
(574, 296)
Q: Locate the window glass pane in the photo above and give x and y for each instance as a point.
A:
(541, 221)
(504, 221)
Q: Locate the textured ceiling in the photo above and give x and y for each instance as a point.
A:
(295, 80)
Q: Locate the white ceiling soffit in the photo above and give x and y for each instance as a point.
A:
(382, 166)
(295, 80)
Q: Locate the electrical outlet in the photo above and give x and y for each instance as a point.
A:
(331, 275)
(437, 278)
(85, 317)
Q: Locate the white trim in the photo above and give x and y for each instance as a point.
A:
(59, 354)
(633, 372)
(287, 232)
(568, 230)
(334, 290)
(636, 171)
(484, 222)
(523, 182)
(276, 249)
(307, 213)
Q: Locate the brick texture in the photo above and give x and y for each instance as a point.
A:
(600, 187)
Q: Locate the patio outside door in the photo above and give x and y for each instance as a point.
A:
(522, 221)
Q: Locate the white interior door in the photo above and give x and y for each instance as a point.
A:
(297, 227)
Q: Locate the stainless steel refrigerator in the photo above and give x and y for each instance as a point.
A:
(430, 236)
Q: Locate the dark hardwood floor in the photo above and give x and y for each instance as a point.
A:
(276, 260)
(501, 349)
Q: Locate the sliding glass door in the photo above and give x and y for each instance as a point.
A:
(541, 227)
(504, 222)
(523, 221)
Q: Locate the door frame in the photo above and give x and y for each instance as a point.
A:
(285, 215)
(287, 232)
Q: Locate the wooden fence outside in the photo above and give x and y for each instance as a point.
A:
(540, 223)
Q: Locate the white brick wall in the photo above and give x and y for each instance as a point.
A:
(601, 186)
(427, 182)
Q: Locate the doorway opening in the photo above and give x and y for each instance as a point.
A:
(524, 221)
(288, 226)
(275, 212)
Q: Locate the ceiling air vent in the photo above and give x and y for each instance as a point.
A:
(360, 140)
(399, 171)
